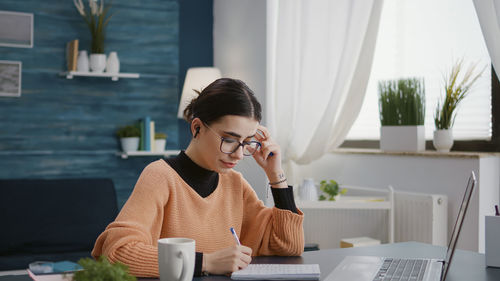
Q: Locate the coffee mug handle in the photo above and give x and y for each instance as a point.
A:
(182, 254)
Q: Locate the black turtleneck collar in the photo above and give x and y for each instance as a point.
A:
(203, 181)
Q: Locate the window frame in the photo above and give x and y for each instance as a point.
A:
(492, 145)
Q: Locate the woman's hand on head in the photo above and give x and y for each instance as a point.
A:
(227, 260)
(269, 156)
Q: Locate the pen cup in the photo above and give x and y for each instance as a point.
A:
(492, 241)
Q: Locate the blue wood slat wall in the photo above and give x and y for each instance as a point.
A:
(62, 128)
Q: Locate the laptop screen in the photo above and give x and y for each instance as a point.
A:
(458, 224)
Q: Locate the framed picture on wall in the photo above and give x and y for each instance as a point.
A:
(16, 29)
(10, 78)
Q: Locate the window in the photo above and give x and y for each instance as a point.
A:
(423, 39)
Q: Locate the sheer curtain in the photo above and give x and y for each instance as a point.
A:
(320, 54)
(488, 13)
(423, 39)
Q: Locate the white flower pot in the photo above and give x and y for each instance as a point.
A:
(97, 62)
(443, 140)
(130, 144)
(113, 63)
(402, 138)
(82, 63)
(160, 145)
(308, 191)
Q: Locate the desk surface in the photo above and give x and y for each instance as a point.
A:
(466, 265)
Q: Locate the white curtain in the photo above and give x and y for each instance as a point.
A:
(488, 13)
(320, 54)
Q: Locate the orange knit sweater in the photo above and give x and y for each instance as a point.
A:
(163, 205)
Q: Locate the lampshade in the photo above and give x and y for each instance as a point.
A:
(197, 78)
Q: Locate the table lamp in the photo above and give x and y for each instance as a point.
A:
(197, 78)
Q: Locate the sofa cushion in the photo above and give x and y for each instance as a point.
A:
(55, 216)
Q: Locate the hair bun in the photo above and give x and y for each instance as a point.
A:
(224, 96)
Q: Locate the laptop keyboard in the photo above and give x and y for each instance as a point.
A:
(401, 269)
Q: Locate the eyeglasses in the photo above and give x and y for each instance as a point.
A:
(229, 146)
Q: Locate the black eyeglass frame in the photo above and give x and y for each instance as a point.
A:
(240, 144)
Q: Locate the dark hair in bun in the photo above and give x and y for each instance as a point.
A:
(223, 97)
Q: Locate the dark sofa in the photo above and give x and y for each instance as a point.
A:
(52, 219)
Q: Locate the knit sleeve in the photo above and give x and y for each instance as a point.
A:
(132, 238)
(270, 231)
(283, 198)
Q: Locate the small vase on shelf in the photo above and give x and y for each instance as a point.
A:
(308, 190)
(160, 145)
(97, 62)
(130, 144)
(82, 63)
(113, 63)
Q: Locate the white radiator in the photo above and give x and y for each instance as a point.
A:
(417, 217)
(420, 217)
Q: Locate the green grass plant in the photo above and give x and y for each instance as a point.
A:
(159, 136)
(456, 89)
(402, 102)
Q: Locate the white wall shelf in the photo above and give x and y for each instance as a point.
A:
(166, 153)
(113, 76)
(348, 202)
(323, 226)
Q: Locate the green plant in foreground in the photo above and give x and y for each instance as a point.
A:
(128, 131)
(102, 270)
(402, 102)
(456, 90)
(331, 188)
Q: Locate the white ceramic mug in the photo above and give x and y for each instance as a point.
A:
(176, 259)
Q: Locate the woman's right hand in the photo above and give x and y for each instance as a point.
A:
(227, 260)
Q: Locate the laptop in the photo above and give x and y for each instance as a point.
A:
(373, 268)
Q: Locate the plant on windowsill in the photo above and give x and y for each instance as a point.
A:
(402, 114)
(102, 269)
(160, 142)
(129, 136)
(456, 89)
(332, 189)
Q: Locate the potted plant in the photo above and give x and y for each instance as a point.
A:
(96, 17)
(332, 189)
(402, 114)
(129, 136)
(102, 269)
(160, 142)
(456, 89)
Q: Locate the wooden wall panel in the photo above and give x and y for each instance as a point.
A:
(62, 128)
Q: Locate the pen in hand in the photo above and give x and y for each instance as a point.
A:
(235, 236)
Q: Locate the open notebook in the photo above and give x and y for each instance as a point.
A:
(278, 272)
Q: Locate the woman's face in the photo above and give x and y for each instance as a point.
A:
(234, 127)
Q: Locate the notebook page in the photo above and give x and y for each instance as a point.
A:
(278, 272)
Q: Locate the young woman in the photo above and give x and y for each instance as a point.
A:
(198, 195)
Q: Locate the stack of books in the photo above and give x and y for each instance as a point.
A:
(147, 140)
(48, 271)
